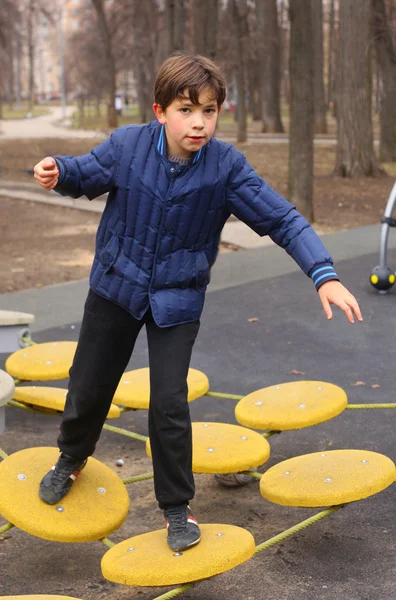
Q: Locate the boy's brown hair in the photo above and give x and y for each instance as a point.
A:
(194, 73)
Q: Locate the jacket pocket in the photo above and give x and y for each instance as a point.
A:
(202, 276)
(109, 254)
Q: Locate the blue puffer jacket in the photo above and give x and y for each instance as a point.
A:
(160, 230)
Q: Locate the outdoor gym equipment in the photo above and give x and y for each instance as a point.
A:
(98, 504)
(13, 327)
(382, 276)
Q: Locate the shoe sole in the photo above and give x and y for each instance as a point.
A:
(187, 547)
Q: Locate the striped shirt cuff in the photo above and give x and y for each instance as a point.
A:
(322, 273)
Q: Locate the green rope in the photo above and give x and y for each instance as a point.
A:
(357, 406)
(254, 474)
(3, 455)
(138, 478)
(175, 592)
(27, 340)
(136, 436)
(124, 409)
(296, 528)
(20, 405)
(268, 434)
(6, 527)
(107, 542)
(228, 396)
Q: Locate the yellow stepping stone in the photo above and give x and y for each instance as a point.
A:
(48, 361)
(134, 388)
(38, 597)
(291, 405)
(96, 505)
(146, 560)
(223, 448)
(327, 478)
(51, 397)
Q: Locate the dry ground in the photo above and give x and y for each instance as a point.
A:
(43, 245)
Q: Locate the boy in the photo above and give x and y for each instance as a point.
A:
(171, 189)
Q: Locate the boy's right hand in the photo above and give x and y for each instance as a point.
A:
(46, 173)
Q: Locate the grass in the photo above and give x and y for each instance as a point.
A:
(20, 113)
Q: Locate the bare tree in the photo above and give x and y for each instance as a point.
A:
(301, 109)
(331, 56)
(239, 18)
(355, 148)
(31, 13)
(175, 22)
(320, 124)
(205, 16)
(110, 62)
(270, 50)
(386, 69)
(9, 19)
(145, 42)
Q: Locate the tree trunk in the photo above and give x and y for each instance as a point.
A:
(175, 21)
(31, 54)
(239, 17)
(386, 69)
(18, 53)
(254, 78)
(320, 124)
(112, 119)
(331, 57)
(301, 109)
(97, 105)
(355, 148)
(145, 42)
(205, 16)
(269, 31)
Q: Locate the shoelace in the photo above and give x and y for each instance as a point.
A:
(177, 520)
(59, 472)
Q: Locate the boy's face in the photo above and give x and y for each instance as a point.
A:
(188, 127)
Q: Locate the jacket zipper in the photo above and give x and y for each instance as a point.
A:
(165, 203)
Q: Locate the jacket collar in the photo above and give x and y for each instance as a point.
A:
(160, 141)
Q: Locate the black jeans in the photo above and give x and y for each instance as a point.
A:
(107, 338)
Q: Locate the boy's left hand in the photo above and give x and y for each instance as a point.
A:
(333, 292)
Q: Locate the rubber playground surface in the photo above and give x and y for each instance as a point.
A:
(264, 332)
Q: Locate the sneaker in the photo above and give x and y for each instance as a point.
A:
(57, 483)
(182, 526)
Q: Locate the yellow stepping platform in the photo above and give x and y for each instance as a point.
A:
(50, 397)
(327, 478)
(146, 560)
(291, 405)
(134, 388)
(96, 505)
(48, 361)
(223, 448)
(38, 597)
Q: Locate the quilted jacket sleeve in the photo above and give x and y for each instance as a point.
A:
(253, 201)
(91, 174)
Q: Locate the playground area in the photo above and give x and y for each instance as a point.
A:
(273, 332)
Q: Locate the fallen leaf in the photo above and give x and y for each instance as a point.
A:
(330, 444)
(253, 320)
(289, 342)
(4, 537)
(295, 372)
(358, 383)
(375, 385)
